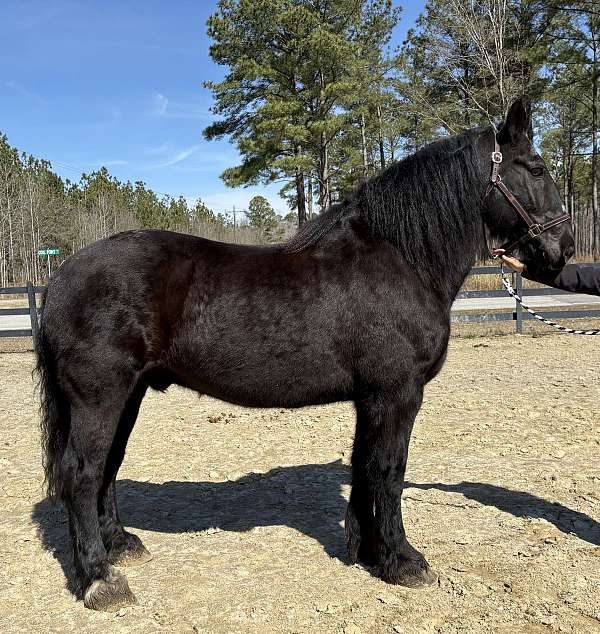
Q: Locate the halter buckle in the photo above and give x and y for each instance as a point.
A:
(535, 231)
(497, 157)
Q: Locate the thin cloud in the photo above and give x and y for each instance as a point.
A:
(206, 162)
(159, 149)
(161, 106)
(24, 92)
(113, 163)
(178, 157)
(160, 103)
(205, 159)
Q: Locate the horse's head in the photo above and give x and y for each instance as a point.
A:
(523, 207)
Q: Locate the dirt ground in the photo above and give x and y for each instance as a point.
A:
(243, 509)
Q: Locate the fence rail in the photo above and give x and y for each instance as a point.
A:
(518, 315)
(32, 310)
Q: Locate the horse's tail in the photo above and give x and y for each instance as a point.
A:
(55, 411)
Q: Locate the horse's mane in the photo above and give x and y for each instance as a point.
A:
(424, 203)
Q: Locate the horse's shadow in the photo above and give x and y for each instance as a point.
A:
(304, 497)
(523, 504)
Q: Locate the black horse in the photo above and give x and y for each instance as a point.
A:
(355, 307)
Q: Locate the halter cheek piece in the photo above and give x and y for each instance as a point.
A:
(535, 229)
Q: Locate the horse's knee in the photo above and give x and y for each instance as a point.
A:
(79, 475)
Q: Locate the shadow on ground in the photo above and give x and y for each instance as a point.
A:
(522, 504)
(304, 497)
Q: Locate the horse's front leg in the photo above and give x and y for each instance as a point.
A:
(389, 418)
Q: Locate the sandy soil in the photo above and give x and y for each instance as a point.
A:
(243, 509)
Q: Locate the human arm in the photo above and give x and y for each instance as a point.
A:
(576, 278)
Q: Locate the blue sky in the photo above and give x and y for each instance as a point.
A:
(119, 83)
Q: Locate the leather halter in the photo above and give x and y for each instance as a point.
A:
(534, 229)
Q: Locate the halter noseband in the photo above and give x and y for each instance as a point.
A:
(534, 229)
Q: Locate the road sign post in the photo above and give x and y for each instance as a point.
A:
(48, 253)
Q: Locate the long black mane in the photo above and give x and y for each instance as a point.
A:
(424, 204)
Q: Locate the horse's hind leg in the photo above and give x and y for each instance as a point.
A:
(390, 419)
(93, 427)
(123, 548)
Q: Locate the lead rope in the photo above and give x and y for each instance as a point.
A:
(511, 291)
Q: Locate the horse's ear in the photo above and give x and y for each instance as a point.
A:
(518, 122)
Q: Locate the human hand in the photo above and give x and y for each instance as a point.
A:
(513, 263)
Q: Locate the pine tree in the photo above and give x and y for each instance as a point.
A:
(293, 67)
(260, 214)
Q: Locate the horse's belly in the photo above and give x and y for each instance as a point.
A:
(268, 377)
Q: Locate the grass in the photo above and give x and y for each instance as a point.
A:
(493, 282)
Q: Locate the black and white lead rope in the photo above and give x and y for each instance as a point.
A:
(511, 291)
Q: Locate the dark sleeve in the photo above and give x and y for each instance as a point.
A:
(577, 278)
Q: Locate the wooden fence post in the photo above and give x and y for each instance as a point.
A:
(33, 316)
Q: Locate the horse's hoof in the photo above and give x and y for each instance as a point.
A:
(109, 595)
(132, 557)
(130, 553)
(412, 573)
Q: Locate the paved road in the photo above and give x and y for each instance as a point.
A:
(14, 322)
(493, 303)
(543, 301)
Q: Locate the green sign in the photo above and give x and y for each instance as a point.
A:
(49, 252)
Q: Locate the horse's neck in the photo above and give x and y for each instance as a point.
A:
(450, 270)
(446, 271)
(436, 225)
(448, 264)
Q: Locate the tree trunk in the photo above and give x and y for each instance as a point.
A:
(309, 195)
(595, 72)
(324, 193)
(465, 98)
(380, 138)
(3, 281)
(33, 240)
(363, 140)
(300, 197)
(11, 257)
(25, 270)
(300, 192)
(392, 143)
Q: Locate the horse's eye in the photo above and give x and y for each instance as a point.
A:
(537, 171)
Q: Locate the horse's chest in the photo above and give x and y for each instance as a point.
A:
(399, 344)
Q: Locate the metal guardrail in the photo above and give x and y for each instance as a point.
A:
(518, 315)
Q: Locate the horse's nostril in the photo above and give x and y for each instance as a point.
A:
(569, 252)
